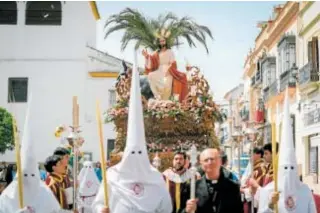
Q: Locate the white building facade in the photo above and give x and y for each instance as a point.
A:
(48, 49)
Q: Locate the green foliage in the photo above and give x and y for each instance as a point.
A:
(143, 30)
(6, 131)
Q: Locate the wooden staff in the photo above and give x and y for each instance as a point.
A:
(18, 159)
(252, 170)
(102, 155)
(75, 125)
(193, 161)
(274, 162)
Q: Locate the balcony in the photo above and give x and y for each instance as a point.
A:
(286, 79)
(271, 90)
(307, 74)
(244, 114)
(274, 88)
(266, 93)
(256, 80)
(312, 117)
(253, 81)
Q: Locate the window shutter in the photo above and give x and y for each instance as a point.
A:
(313, 160)
(309, 51)
(315, 54)
(110, 147)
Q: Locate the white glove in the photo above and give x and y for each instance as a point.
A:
(27, 209)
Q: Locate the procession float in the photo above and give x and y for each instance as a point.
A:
(179, 110)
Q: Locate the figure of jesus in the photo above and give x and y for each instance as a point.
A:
(164, 78)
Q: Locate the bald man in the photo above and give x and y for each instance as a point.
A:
(214, 190)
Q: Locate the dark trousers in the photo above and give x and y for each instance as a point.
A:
(247, 207)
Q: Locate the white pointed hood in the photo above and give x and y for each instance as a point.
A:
(35, 192)
(29, 163)
(86, 164)
(134, 185)
(288, 178)
(89, 182)
(287, 151)
(135, 163)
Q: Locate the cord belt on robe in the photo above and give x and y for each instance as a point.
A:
(180, 83)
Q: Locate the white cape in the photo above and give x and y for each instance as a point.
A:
(44, 202)
(304, 201)
(146, 198)
(134, 184)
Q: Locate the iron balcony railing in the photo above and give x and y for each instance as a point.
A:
(308, 74)
(256, 80)
(286, 79)
(253, 81)
(312, 117)
(271, 90)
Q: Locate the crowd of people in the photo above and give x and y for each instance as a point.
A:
(8, 170)
(135, 186)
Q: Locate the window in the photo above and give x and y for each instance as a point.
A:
(269, 71)
(314, 142)
(313, 160)
(313, 53)
(112, 98)
(43, 13)
(87, 156)
(110, 147)
(286, 53)
(17, 90)
(8, 12)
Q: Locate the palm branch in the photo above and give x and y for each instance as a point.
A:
(142, 30)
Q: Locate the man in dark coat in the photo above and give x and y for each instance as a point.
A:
(215, 193)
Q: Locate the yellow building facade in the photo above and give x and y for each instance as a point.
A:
(286, 55)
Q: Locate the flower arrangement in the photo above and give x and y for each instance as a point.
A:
(168, 121)
(163, 109)
(114, 113)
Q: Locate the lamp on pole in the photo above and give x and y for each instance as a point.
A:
(294, 74)
(238, 137)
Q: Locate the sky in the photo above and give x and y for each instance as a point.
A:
(233, 25)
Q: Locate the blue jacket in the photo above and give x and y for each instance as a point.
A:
(98, 173)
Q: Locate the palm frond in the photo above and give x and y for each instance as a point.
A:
(140, 29)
